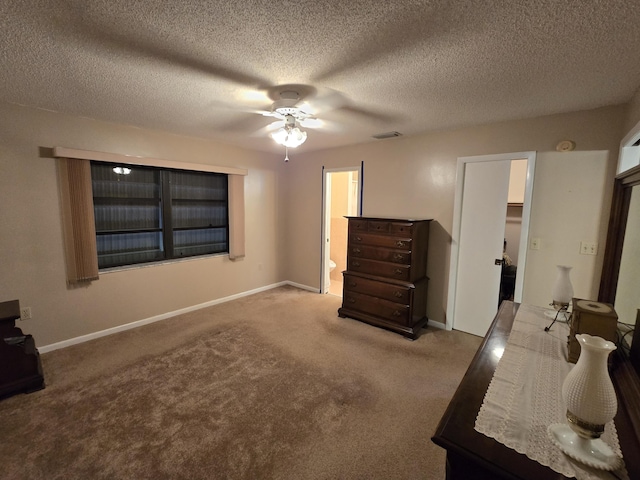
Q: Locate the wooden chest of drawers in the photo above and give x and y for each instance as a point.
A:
(385, 283)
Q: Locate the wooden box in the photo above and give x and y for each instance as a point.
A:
(593, 318)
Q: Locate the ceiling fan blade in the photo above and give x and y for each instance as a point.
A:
(313, 122)
(371, 114)
(266, 130)
(419, 22)
(243, 123)
(103, 35)
(329, 99)
(234, 107)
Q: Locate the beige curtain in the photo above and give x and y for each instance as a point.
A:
(236, 216)
(78, 220)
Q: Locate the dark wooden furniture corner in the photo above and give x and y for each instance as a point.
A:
(472, 455)
(20, 367)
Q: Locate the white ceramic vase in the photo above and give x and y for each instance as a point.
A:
(588, 391)
(591, 402)
(562, 291)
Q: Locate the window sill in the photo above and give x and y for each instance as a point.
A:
(159, 263)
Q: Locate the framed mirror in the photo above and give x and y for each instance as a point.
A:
(620, 282)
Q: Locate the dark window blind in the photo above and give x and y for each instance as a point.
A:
(154, 214)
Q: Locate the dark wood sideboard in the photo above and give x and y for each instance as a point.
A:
(20, 367)
(385, 283)
(472, 455)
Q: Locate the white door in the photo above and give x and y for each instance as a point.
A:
(483, 216)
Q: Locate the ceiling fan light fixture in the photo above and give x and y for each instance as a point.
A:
(280, 135)
(289, 136)
(296, 137)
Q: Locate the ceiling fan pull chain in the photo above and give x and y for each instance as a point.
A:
(286, 154)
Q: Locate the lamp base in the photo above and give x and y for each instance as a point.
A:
(560, 308)
(592, 452)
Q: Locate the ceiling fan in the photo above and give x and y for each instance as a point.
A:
(291, 114)
(295, 106)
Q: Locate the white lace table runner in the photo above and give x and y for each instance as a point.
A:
(524, 396)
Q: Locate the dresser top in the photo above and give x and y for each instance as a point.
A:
(389, 219)
(9, 311)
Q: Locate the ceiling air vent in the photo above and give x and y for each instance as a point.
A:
(380, 136)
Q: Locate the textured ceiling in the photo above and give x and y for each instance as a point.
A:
(202, 67)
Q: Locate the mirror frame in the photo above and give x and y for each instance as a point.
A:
(615, 233)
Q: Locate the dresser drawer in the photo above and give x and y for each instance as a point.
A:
(379, 241)
(401, 229)
(379, 307)
(378, 226)
(381, 269)
(387, 291)
(382, 254)
(357, 225)
(381, 226)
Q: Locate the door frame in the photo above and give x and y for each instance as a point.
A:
(326, 214)
(457, 217)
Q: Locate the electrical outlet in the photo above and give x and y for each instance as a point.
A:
(25, 313)
(584, 248)
(587, 248)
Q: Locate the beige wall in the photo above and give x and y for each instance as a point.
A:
(572, 197)
(517, 181)
(405, 177)
(633, 113)
(415, 177)
(31, 249)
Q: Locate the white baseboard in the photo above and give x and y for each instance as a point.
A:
(302, 287)
(164, 316)
(434, 324)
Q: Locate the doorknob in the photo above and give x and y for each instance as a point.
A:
(498, 261)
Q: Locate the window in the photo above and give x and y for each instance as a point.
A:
(153, 214)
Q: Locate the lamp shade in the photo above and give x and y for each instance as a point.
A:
(562, 292)
(289, 135)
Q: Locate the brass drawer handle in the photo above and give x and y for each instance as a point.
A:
(397, 294)
(356, 264)
(398, 256)
(351, 300)
(401, 243)
(397, 271)
(359, 239)
(397, 313)
(357, 250)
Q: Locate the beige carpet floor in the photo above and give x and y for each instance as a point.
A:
(270, 386)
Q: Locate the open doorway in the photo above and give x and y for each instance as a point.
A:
(512, 229)
(341, 199)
